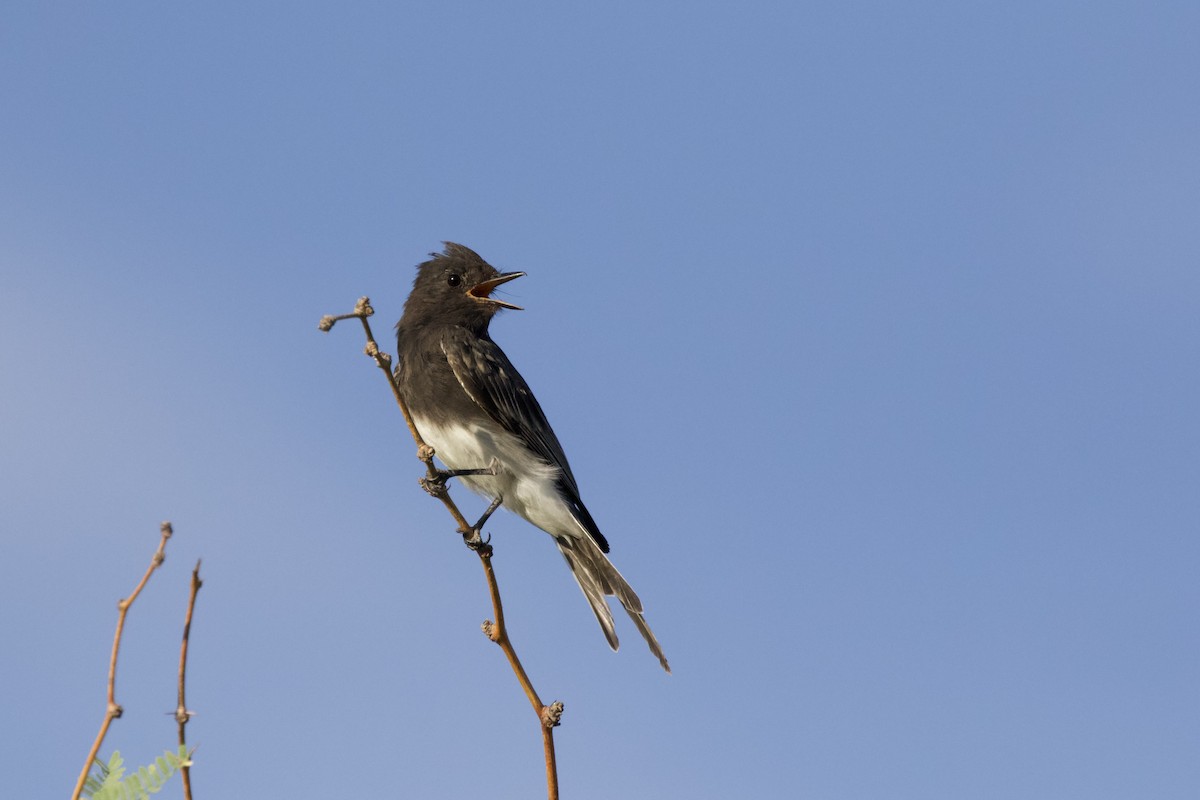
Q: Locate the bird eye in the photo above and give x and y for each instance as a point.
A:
(453, 279)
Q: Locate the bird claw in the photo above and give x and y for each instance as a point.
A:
(477, 541)
(435, 485)
(474, 538)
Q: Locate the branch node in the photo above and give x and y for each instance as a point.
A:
(362, 310)
(552, 715)
(490, 630)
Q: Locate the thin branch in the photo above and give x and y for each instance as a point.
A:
(549, 716)
(114, 710)
(363, 310)
(182, 715)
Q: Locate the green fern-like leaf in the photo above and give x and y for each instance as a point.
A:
(107, 774)
(107, 783)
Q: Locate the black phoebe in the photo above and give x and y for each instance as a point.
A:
(473, 407)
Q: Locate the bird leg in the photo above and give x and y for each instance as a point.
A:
(473, 538)
(436, 484)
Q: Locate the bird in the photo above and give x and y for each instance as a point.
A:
(471, 405)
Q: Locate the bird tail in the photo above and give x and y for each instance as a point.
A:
(597, 577)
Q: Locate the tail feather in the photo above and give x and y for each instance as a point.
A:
(648, 635)
(589, 581)
(597, 577)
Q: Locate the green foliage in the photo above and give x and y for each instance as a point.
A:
(106, 782)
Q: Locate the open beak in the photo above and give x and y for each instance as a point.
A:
(483, 291)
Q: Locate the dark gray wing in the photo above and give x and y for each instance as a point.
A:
(491, 380)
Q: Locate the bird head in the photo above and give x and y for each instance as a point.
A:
(456, 286)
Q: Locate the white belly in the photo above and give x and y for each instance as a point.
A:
(524, 481)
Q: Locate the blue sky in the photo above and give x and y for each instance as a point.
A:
(871, 332)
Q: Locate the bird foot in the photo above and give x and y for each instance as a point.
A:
(435, 484)
(477, 542)
(474, 538)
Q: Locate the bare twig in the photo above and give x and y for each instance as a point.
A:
(434, 482)
(115, 710)
(182, 714)
(549, 716)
